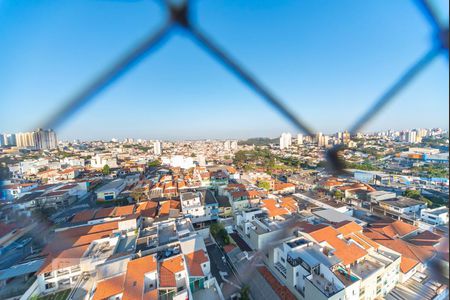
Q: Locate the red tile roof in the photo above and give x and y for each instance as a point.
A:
(393, 229)
(109, 287)
(347, 227)
(66, 258)
(124, 210)
(348, 253)
(410, 253)
(167, 271)
(134, 279)
(104, 212)
(194, 261)
(281, 290)
(84, 216)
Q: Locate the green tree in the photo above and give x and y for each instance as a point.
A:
(106, 170)
(264, 184)
(215, 228)
(414, 194)
(245, 292)
(219, 232)
(154, 163)
(338, 194)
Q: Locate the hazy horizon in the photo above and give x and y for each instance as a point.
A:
(327, 77)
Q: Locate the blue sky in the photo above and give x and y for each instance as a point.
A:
(328, 60)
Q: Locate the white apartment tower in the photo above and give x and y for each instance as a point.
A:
(227, 145)
(299, 139)
(157, 148)
(285, 140)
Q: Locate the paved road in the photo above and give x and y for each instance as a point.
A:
(217, 266)
(240, 242)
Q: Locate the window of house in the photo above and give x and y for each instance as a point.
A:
(50, 285)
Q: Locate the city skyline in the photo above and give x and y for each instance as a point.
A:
(194, 97)
(294, 136)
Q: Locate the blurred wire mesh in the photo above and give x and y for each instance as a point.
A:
(178, 16)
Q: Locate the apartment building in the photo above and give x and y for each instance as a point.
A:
(111, 190)
(176, 272)
(258, 229)
(201, 206)
(323, 262)
(79, 250)
(435, 216)
(403, 205)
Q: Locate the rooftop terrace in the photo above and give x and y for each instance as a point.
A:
(365, 268)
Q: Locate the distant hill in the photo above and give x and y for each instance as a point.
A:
(259, 141)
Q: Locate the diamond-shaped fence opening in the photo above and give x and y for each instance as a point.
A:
(178, 15)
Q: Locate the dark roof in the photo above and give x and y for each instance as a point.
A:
(223, 201)
(402, 202)
(29, 197)
(210, 198)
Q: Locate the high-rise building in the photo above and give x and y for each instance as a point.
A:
(285, 140)
(322, 140)
(45, 139)
(318, 137)
(25, 140)
(234, 145)
(339, 137)
(227, 145)
(411, 136)
(10, 139)
(299, 139)
(157, 148)
(346, 137)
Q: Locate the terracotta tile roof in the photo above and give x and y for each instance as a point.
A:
(273, 208)
(281, 290)
(347, 227)
(164, 208)
(394, 229)
(289, 203)
(406, 264)
(147, 209)
(367, 240)
(231, 170)
(124, 210)
(348, 253)
(194, 261)
(66, 258)
(109, 287)
(89, 229)
(134, 279)
(426, 239)
(409, 252)
(167, 270)
(282, 186)
(104, 212)
(151, 295)
(84, 216)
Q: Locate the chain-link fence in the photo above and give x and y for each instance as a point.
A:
(178, 15)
